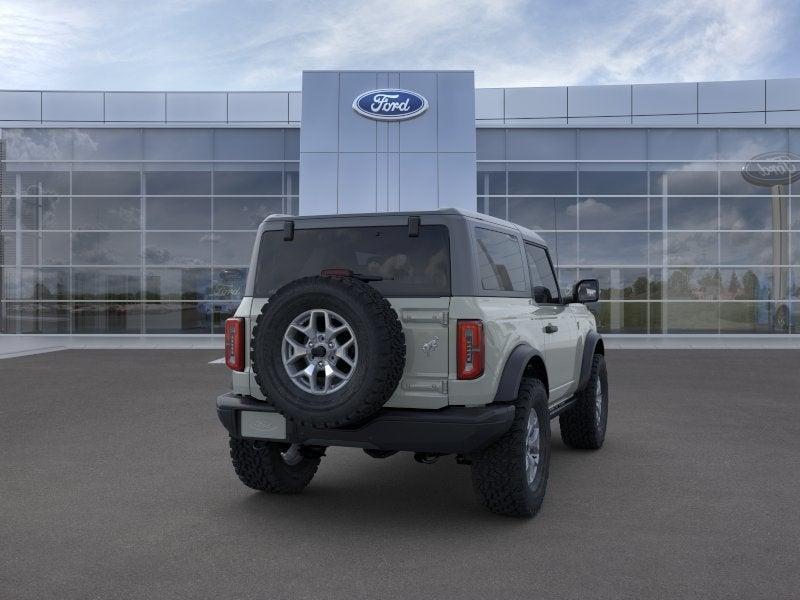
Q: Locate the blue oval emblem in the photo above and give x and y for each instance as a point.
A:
(390, 105)
(772, 168)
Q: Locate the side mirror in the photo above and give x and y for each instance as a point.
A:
(586, 290)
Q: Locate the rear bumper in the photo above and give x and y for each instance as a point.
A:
(451, 430)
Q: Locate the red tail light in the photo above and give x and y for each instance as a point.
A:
(471, 349)
(234, 344)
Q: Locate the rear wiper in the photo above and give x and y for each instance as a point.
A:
(349, 273)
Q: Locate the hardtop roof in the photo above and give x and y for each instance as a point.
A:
(461, 212)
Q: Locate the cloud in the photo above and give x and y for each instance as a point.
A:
(211, 44)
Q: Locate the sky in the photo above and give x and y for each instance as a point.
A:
(265, 45)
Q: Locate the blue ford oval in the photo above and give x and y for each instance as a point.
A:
(390, 105)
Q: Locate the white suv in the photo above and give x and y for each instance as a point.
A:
(441, 332)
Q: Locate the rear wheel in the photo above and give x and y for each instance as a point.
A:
(583, 426)
(510, 476)
(273, 467)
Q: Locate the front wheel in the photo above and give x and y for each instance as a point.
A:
(583, 425)
(510, 476)
(272, 467)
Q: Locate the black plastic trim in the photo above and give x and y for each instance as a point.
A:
(518, 360)
(450, 430)
(589, 347)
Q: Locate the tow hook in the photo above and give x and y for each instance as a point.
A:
(426, 458)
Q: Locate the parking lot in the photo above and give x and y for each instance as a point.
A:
(115, 483)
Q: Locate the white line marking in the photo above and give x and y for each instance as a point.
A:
(219, 361)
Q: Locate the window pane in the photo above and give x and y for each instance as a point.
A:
(499, 261)
(491, 182)
(563, 247)
(754, 317)
(117, 183)
(107, 317)
(183, 317)
(692, 248)
(244, 213)
(682, 144)
(31, 317)
(613, 182)
(38, 144)
(543, 280)
(108, 144)
(291, 144)
(248, 144)
(692, 213)
(178, 248)
(233, 248)
(106, 284)
(41, 284)
(693, 284)
(8, 214)
(754, 283)
(683, 183)
(746, 143)
(619, 284)
(749, 213)
(248, 182)
(45, 212)
(177, 183)
(620, 317)
(178, 284)
(521, 182)
(228, 284)
(178, 213)
(541, 144)
(691, 317)
(613, 249)
(36, 183)
(178, 144)
(106, 248)
(612, 144)
(732, 182)
(106, 213)
(490, 144)
(45, 248)
(544, 213)
(612, 213)
(744, 248)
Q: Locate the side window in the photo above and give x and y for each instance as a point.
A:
(543, 280)
(500, 261)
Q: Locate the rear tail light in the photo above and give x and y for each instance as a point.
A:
(471, 349)
(234, 344)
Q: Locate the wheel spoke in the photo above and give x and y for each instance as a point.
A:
(312, 361)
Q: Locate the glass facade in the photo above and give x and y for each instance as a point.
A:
(131, 231)
(680, 240)
(149, 230)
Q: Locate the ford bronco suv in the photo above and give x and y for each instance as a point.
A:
(440, 332)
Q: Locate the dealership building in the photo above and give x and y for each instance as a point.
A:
(136, 212)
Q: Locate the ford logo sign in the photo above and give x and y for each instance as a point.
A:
(772, 168)
(390, 105)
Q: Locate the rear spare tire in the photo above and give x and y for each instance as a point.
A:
(327, 352)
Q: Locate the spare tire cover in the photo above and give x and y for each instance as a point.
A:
(327, 352)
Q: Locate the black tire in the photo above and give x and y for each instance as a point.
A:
(379, 338)
(261, 466)
(581, 425)
(499, 474)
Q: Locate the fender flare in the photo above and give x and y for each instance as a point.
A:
(593, 340)
(517, 362)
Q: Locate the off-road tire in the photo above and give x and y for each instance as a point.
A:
(260, 466)
(499, 477)
(381, 351)
(579, 425)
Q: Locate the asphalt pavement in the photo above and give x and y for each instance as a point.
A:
(115, 482)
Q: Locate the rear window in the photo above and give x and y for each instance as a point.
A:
(410, 266)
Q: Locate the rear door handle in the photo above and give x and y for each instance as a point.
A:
(550, 328)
